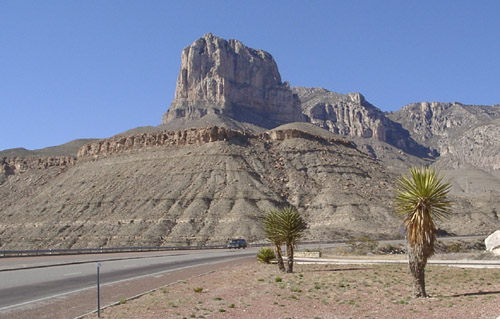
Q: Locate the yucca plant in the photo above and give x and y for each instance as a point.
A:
(285, 226)
(265, 255)
(420, 199)
(271, 221)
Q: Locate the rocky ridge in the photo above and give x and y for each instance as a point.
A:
(351, 115)
(19, 165)
(225, 77)
(194, 136)
(463, 135)
(212, 169)
(199, 194)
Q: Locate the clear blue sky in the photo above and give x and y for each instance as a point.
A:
(81, 69)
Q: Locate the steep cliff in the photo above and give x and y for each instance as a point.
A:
(228, 78)
(463, 135)
(19, 165)
(351, 115)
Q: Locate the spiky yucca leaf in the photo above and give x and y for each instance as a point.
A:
(291, 225)
(421, 198)
(284, 225)
(271, 225)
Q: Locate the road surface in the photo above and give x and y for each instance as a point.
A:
(29, 283)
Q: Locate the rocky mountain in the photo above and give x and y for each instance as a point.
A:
(225, 77)
(463, 135)
(237, 142)
(351, 115)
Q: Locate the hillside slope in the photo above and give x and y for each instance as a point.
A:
(200, 193)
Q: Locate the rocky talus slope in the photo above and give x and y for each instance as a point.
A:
(201, 192)
(208, 186)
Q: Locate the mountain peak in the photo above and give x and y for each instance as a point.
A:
(225, 77)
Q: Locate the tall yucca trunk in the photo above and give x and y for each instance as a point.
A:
(279, 257)
(420, 199)
(422, 238)
(416, 263)
(289, 255)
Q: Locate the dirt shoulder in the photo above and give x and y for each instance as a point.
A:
(253, 290)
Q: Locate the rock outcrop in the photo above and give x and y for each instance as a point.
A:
(121, 144)
(226, 77)
(194, 136)
(212, 170)
(492, 243)
(19, 165)
(351, 115)
(463, 135)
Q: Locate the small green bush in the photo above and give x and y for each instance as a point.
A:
(198, 290)
(362, 246)
(454, 248)
(265, 255)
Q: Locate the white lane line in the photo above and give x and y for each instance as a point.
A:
(72, 274)
(42, 299)
(129, 266)
(111, 283)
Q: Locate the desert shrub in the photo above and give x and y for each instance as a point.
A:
(265, 255)
(392, 249)
(362, 245)
(454, 248)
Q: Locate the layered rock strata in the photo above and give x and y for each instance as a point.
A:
(192, 136)
(137, 141)
(200, 193)
(463, 135)
(19, 165)
(226, 77)
(351, 115)
(207, 189)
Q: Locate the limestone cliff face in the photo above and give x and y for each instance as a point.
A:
(194, 136)
(121, 144)
(351, 115)
(18, 165)
(462, 134)
(226, 77)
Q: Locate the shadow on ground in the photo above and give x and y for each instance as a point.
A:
(479, 293)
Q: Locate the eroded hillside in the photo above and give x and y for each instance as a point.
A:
(205, 192)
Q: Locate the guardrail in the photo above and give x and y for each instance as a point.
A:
(107, 250)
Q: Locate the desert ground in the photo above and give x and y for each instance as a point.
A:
(255, 290)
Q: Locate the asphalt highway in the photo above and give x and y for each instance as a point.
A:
(37, 280)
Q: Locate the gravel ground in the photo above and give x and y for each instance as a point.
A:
(253, 290)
